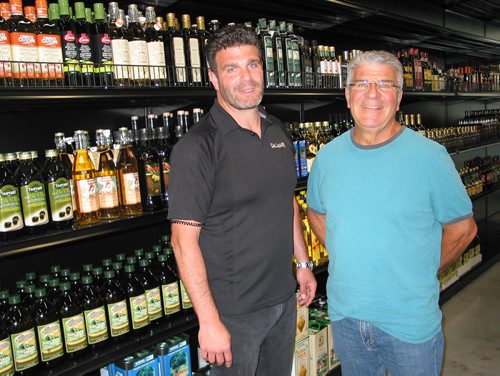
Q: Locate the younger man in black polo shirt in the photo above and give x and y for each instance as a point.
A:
(235, 221)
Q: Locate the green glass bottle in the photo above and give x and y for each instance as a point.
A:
(152, 290)
(11, 218)
(115, 300)
(136, 295)
(73, 322)
(94, 312)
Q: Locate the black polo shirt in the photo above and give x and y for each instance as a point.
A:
(241, 188)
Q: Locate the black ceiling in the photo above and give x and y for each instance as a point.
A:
(463, 30)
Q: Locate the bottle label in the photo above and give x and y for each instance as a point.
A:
(50, 51)
(96, 325)
(171, 301)
(107, 190)
(156, 55)
(139, 311)
(269, 60)
(85, 53)
(50, 340)
(104, 54)
(11, 218)
(75, 335)
(24, 53)
(118, 318)
(87, 196)
(131, 189)
(139, 56)
(24, 349)
(280, 63)
(61, 206)
(194, 54)
(6, 361)
(296, 63)
(153, 297)
(179, 59)
(152, 172)
(186, 302)
(302, 158)
(5, 55)
(34, 204)
(121, 58)
(166, 174)
(70, 52)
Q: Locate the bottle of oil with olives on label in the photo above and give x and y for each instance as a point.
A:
(67, 158)
(152, 289)
(138, 306)
(94, 312)
(116, 307)
(6, 357)
(73, 322)
(59, 191)
(11, 218)
(33, 197)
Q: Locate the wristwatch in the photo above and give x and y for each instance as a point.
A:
(304, 264)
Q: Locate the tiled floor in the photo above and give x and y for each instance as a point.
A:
(471, 328)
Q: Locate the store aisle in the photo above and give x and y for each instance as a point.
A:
(471, 328)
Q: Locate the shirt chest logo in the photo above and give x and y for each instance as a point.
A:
(277, 145)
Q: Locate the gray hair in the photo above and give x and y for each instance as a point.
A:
(376, 57)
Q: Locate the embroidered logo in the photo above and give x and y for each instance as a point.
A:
(277, 145)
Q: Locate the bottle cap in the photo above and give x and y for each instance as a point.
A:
(14, 299)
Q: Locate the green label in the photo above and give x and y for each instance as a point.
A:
(186, 302)
(6, 361)
(50, 341)
(34, 204)
(152, 171)
(24, 349)
(11, 218)
(139, 311)
(96, 325)
(269, 60)
(153, 297)
(61, 205)
(171, 301)
(297, 79)
(118, 318)
(75, 335)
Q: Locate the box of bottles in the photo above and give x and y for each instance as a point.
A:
(174, 356)
(144, 362)
(300, 366)
(302, 322)
(109, 370)
(318, 348)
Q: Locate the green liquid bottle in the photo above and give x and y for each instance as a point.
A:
(21, 326)
(48, 329)
(170, 290)
(95, 314)
(138, 306)
(53, 293)
(118, 269)
(4, 303)
(28, 299)
(98, 276)
(11, 218)
(116, 307)
(152, 289)
(6, 356)
(73, 322)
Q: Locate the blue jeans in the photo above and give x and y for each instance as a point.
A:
(262, 342)
(365, 350)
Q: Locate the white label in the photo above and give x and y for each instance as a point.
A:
(194, 53)
(121, 57)
(179, 59)
(131, 189)
(138, 50)
(87, 196)
(156, 54)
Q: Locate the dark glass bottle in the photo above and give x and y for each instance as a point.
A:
(156, 52)
(5, 47)
(163, 150)
(87, 269)
(84, 45)
(107, 264)
(69, 45)
(101, 43)
(115, 300)
(149, 174)
(138, 48)
(170, 289)
(21, 326)
(136, 297)
(28, 298)
(11, 218)
(98, 276)
(94, 312)
(30, 277)
(175, 55)
(48, 329)
(152, 290)
(64, 276)
(267, 53)
(73, 322)
(4, 303)
(58, 191)
(43, 280)
(119, 46)
(53, 293)
(76, 286)
(192, 43)
(6, 356)
(118, 269)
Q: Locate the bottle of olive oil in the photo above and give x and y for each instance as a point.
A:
(116, 306)
(48, 329)
(106, 177)
(73, 322)
(33, 198)
(128, 175)
(152, 289)
(149, 172)
(138, 306)
(6, 357)
(95, 314)
(59, 191)
(169, 288)
(21, 326)
(67, 158)
(11, 218)
(84, 179)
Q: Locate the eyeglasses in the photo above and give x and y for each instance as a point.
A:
(382, 85)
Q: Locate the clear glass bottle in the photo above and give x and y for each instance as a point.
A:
(85, 183)
(138, 48)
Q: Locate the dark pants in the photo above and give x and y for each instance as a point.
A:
(262, 342)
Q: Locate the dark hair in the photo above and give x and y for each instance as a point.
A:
(230, 36)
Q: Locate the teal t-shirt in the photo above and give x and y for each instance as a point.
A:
(384, 208)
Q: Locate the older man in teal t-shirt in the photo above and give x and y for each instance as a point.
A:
(391, 209)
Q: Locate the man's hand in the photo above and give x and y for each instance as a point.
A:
(215, 343)
(307, 286)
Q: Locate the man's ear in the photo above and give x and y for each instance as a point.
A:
(213, 79)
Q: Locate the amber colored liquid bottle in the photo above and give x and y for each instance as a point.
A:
(128, 175)
(85, 183)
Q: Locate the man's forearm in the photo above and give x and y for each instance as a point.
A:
(299, 245)
(455, 238)
(318, 225)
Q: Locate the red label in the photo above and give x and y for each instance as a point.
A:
(105, 39)
(4, 37)
(84, 39)
(69, 36)
(48, 40)
(23, 39)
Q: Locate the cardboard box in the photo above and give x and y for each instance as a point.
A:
(302, 322)
(318, 349)
(300, 365)
(174, 356)
(144, 362)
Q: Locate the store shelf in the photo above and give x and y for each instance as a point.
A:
(495, 187)
(473, 147)
(77, 233)
(93, 362)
